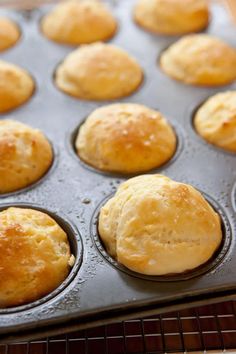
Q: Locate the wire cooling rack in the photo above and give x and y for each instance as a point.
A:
(202, 329)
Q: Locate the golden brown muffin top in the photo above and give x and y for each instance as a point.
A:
(99, 72)
(25, 155)
(16, 86)
(35, 256)
(172, 17)
(154, 225)
(79, 22)
(215, 120)
(9, 33)
(200, 59)
(125, 138)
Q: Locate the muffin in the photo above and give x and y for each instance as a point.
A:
(172, 17)
(9, 33)
(16, 86)
(156, 226)
(125, 138)
(99, 72)
(25, 155)
(200, 59)
(79, 22)
(215, 120)
(35, 256)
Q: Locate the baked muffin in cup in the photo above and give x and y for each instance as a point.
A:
(200, 59)
(156, 226)
(215, 120)
(9, 33)
(172, 17)
(125, 138)
(25, 155)
(78, 22)
(99, 72)
(16, 86)
(35, 256)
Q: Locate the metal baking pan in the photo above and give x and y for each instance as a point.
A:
(98, 289)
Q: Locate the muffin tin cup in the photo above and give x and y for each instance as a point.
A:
(173, 36)
(42, 179)
(71, 138)
(98, 290)
(100, 101)
(75, 247)
(212, 263)
(74, 46)
(22, 104)
(19, 38)
(192, 114)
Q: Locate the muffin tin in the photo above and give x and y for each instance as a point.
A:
(99, 290)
